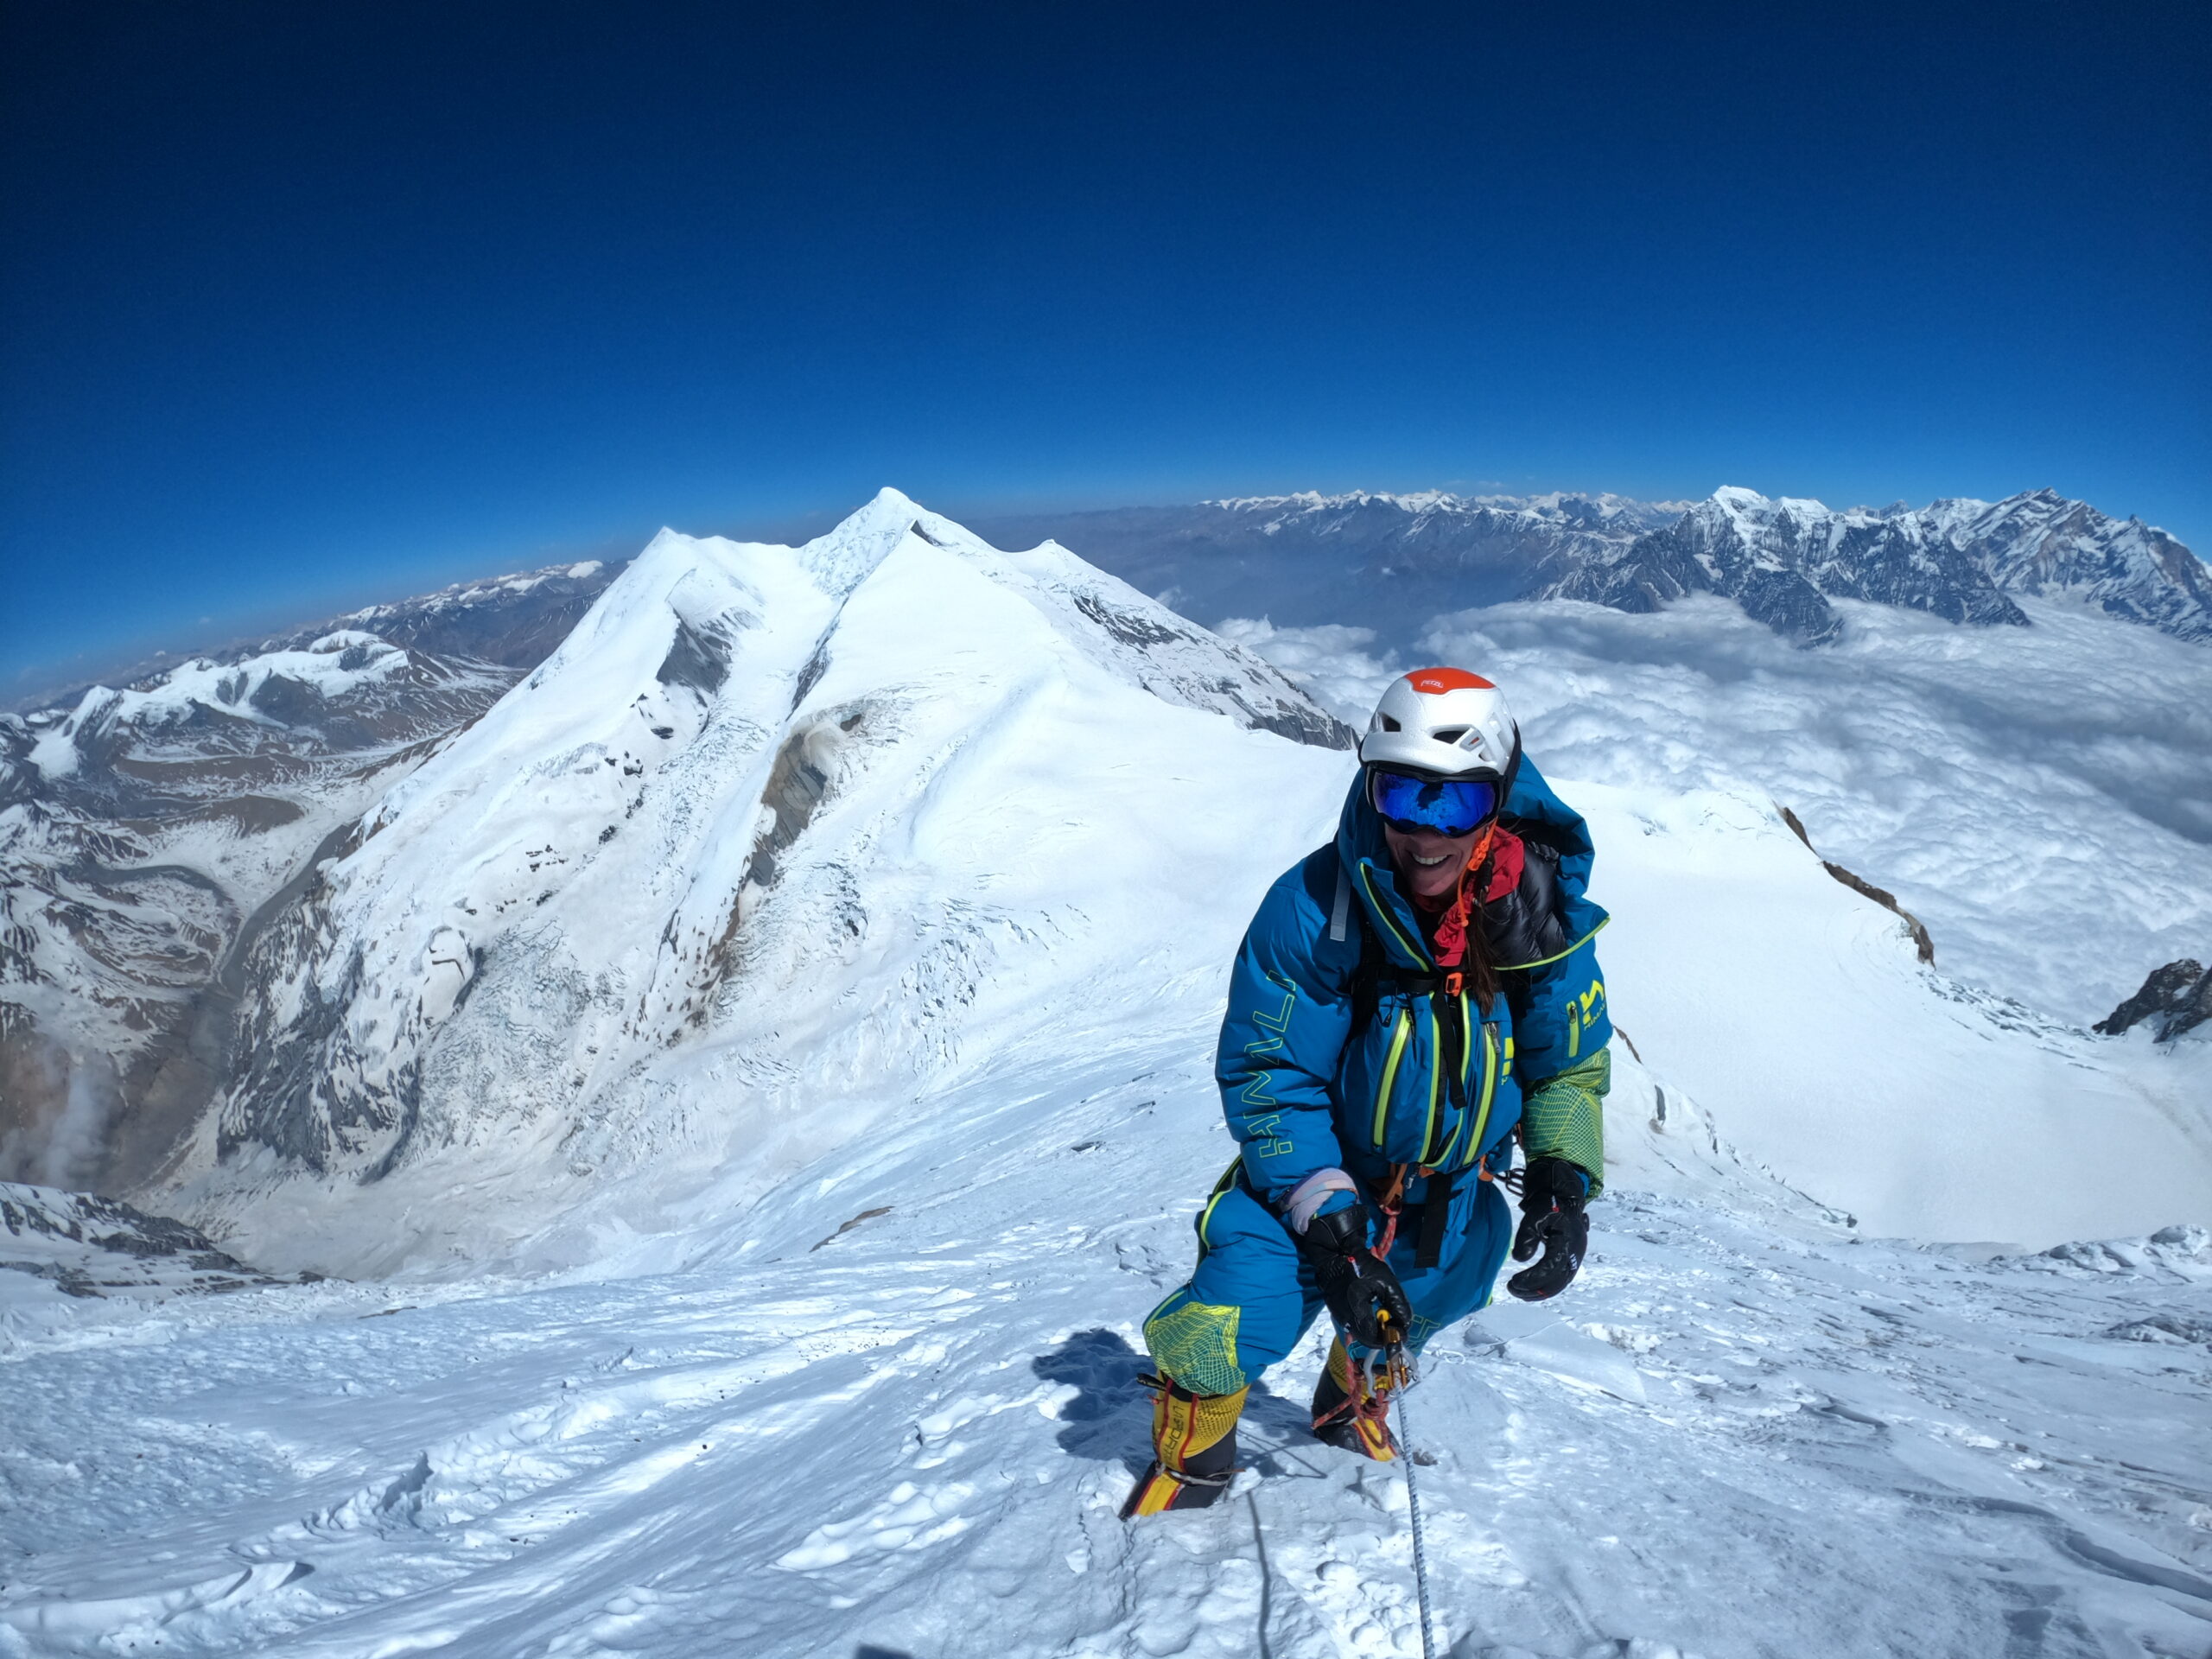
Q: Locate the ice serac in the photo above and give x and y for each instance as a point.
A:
(776, 834)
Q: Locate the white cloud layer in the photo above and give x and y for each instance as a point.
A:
(2041, 796)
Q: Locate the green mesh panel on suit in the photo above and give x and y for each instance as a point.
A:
(1566, 1117)
(1196, 1345)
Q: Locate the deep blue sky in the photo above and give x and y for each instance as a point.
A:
(308, 303)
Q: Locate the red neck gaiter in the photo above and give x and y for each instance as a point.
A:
(1494, 869)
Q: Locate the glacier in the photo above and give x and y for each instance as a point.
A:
(739, 1223)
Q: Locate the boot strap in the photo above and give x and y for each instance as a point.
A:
(1182, 1478)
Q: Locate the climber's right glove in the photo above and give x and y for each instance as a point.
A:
(1363, 1295)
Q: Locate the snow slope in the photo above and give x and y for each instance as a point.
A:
(892, 1409)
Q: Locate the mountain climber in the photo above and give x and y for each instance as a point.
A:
(1409, 1003)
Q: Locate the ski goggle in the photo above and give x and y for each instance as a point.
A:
(1445, 806)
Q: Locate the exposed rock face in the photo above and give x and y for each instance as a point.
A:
(1287, 558)
(2041, 542)
(1782, 560)
(2174, 999)
(149, 833)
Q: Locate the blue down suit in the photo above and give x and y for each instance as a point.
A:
(1310, 1080)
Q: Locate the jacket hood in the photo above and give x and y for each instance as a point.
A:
(1532, 812)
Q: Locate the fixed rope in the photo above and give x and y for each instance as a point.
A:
(1413, 1512)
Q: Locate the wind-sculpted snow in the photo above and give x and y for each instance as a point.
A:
(893, 1409)
(774, 833)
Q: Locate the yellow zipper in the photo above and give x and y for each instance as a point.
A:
(1398, 1033)
(1220, 1189)
(1374, 901)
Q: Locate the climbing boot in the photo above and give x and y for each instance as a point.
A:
(1351, 1405)
(1194, 1448)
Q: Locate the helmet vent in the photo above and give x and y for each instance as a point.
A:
(1389, 724)
(1450, 733)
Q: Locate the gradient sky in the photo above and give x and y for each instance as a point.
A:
(306, 304)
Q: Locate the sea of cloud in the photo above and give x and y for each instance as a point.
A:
(2040, 797)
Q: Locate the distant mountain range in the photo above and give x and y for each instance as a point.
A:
(1290, 558)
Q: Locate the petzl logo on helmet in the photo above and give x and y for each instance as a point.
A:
(1433, 680)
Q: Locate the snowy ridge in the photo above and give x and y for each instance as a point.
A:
(286, 690)
(460, 594)
(2042, 544)
(1602, 509)
(752, 853)
(1781, 559)
(1960, 560)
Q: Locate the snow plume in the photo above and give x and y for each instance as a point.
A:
(776, 836)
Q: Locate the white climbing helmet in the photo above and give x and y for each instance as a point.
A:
(1443, 722)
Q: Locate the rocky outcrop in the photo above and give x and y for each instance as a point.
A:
(2174, 999)
(1922, 941)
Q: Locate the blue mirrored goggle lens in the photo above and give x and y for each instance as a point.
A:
(1450, 806)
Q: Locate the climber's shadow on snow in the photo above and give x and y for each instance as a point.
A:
(1109, 1419)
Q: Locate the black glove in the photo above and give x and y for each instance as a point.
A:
(1363, 1295)
(1552, 1216)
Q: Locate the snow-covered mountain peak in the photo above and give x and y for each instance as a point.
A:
(751, 839)
(1736, 498)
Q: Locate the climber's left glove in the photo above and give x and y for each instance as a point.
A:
(1551, 1217)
